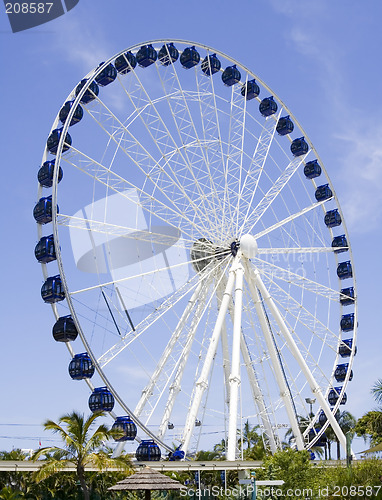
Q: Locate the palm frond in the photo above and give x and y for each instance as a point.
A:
(376, 390)
(49, 467)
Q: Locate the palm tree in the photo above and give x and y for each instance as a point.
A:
(370, 424)
(16, 481)
(249, 435)
(347, 423)
(80, 447)
(303, 423)
(255, 446)
(221, 447)
(8, 493)
(376, 390)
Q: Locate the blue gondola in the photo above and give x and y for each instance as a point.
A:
(54, 139)
(323, 193)
(322, 417)
(312, 169)
(44, 250)
(347, 297)
(42, 211)
(46, 172)
(344, 270)
(189, 58)
(322, 440)
(340, 244)
(333, 218)
(299, 147)
(125, 63)
(148, 451)
(345, 348)
(127, 427)
(77, 115)
(146, 56)
(231, 75)
(347, 322)
(168, 54)
(177, 454)
(107, 75)
(341, 371)
(211, 65)
(334, 395)
(90, 93)
(250, 90)
(52, 290)
(268, 106)
(81, 367)
(64, 329)
(284, 126)
(101, 399)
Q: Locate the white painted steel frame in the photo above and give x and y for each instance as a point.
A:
(160, 136)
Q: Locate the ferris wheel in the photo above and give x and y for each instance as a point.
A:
(191, 239)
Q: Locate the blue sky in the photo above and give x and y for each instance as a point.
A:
(321, 58)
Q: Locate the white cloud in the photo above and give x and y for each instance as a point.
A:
(77, 44)
(298, 8)
(360, 162)
(133, 373)
(362, 175)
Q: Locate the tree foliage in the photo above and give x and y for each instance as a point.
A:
(369, 426)
(82, 446)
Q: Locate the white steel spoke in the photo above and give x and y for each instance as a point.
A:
(95, 226)
(278, 370)
(175, 386)
(167, 305)
(202, 382)
(189, 135)
(235, 378)
(292, 250)
(316, 327)
(145, 161)
(211, 130)
(166, 212)
(272, 271)
(224, 340)
(272, 193)
(148, 390)
(130, 337)
(289, 219)
(164, 142)
(257, 395)
(128, 278)
(256, 167)
(234, 161)
(315, 388)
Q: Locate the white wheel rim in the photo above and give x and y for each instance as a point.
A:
(171, 178)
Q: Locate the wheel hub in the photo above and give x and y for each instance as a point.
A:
(203, 252)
